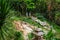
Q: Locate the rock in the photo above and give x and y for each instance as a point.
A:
(24, 27)
(38, 29)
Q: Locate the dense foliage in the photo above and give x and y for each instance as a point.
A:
(22, 10)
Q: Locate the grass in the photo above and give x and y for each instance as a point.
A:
(31, 36)
(19, 36)
(30, 21)
(54, 26)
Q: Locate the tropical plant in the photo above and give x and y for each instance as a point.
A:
(6, 30)
(29, 7)
(50, 35)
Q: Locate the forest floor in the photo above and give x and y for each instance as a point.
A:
(27, 28)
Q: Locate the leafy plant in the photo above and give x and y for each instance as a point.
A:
(4, 10)
(50, 35)
(18, 36)
(57, 17)
(6, 29)
(31, 36)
